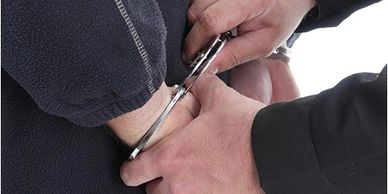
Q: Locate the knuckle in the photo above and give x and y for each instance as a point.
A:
(208, 20)
(264, 50)
(209, 80)
(268, 50)
(219, 93)
(269, 45)
(234, 59)
(166, 158)
(192, 14)
(231, 60)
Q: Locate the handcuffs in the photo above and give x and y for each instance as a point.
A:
(199, 65)
(283, 53)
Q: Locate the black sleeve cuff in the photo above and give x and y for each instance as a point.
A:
(334, 142)
(330, 13)
(284, 153)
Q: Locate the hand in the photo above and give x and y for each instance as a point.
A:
(284, 87)
(213, 154)
(267, 80)
(131, 126)
(262, 26)
(253, 80)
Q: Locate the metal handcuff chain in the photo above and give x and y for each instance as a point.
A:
(199, 65)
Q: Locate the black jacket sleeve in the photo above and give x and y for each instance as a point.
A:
(330, 13)
(334, 142)
(87, 61)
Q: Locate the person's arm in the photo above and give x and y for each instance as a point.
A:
(266, 80)
(212, 154)
(262, 26)
(90, 62)
(334, 142)
(79, 60)
(331, 13)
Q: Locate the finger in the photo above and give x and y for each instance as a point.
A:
(208, 90)
(191, 104)
(157, 186)
(219, 17)
(196, 8)
(140, 170)
(248, 47)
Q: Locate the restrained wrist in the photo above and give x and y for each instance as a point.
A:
(130, 127)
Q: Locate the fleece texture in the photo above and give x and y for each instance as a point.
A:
(87, 61)
(45, 153)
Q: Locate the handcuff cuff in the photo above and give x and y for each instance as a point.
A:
(283, 53)
(199, 65)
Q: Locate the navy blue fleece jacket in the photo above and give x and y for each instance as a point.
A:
(87, 61)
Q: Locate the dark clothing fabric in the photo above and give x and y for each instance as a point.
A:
(330, 13)
(92, 61)
(42, 153)
(87, 61)
(334, 142)
(82, 62)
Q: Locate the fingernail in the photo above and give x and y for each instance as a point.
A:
(125, 178)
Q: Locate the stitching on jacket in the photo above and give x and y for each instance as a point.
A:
(138, 42)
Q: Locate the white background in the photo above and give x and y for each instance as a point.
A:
(323, 57)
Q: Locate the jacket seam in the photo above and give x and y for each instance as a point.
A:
(138, 42)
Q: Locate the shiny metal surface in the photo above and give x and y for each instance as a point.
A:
(199, 65)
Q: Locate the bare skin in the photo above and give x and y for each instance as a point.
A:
(267, 80)
(130, 127)
(212, 154)
(262, 26)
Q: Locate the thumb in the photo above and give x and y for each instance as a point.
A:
(141, 170)
(209, 90)
(244, 48)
